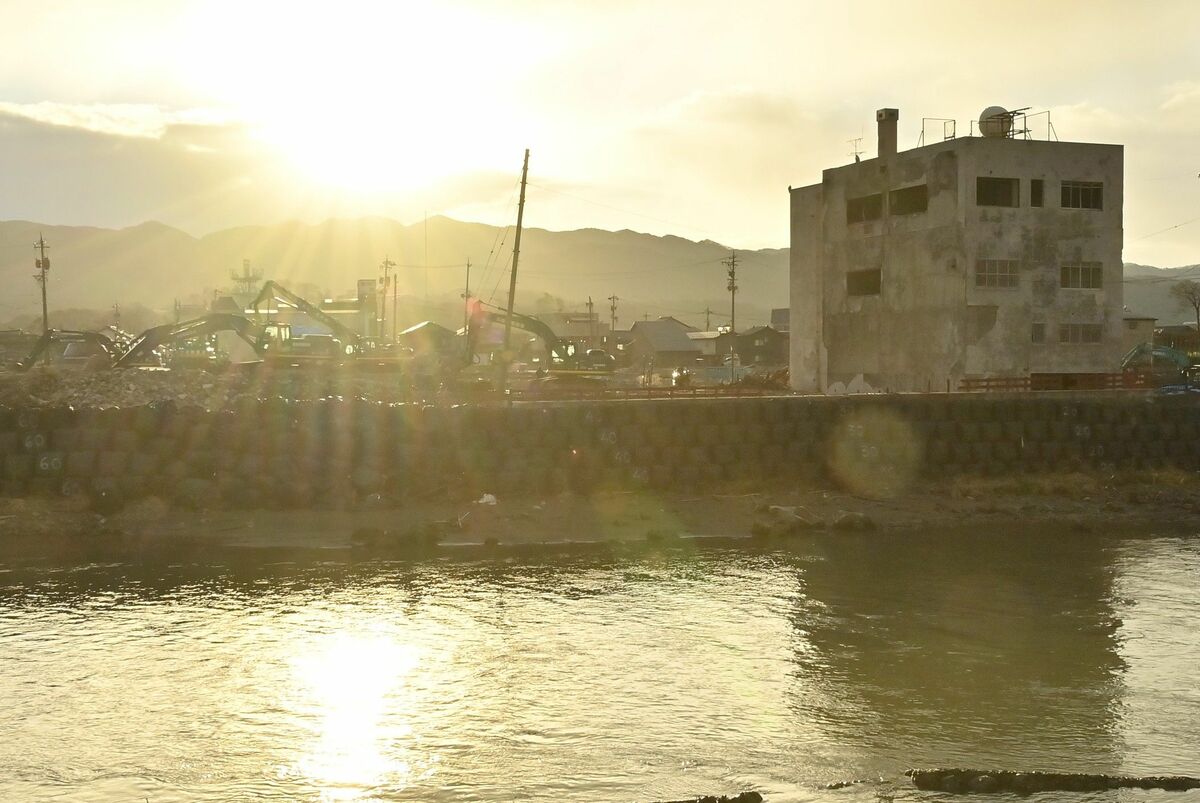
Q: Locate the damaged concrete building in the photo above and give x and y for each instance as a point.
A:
(974, 257)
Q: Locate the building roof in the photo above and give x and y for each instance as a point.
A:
(1129, 316)
(754, 330)
(686, 327)
(427, 328)
(664, 335)
(713, 335)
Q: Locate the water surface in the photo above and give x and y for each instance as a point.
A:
(601, 679)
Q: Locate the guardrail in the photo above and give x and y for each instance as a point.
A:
(1125, 380)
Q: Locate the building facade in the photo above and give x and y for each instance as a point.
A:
(974, 257)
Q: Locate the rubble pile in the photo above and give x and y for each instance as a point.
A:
(41, 387)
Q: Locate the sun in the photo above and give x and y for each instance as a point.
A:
(367, 97)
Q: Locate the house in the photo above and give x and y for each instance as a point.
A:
(428, 338)
(662, 344)
(989, 255)
(1138, 329)
(762, 345)
(581, 328)
(710, 345)
(780, 319)
(1181, 337)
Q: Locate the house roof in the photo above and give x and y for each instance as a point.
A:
(672, 318)
(704, 335)
(664, 335)
(753, 330)
(427, 328)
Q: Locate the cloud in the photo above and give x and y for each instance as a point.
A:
(142, 120)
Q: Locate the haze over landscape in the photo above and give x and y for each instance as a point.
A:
(209, 128)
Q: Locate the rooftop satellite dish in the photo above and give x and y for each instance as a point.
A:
(995, 121)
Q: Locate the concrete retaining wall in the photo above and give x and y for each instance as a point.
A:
(339, 453)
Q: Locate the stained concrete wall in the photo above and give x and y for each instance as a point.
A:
(1042, 239)
(333, 454)
(930, 326)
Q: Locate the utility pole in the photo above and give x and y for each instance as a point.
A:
(591, 323)
(512, 280)
(386, 266)
(612, 309)
(707, 319)
(42, 263)
(466, 297)
(731, 265)
(117, 316)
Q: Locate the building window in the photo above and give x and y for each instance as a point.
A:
(1082, 195)
(868, 207)
(1037, 191)
(1039, 333)
(863, 282)
(1082, 275)
(996, 273)
(1080, 333)
(996, 191)
(909, 200)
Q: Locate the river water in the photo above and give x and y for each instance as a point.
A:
(601, 679)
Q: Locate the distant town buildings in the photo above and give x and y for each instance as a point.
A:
(971, 257)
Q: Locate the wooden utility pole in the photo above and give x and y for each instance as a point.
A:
(707, 319)
(466, 297)
(612, 309)
(591, 323)
(512, 279)
(386, 266)
(42, 263)
(731, 264)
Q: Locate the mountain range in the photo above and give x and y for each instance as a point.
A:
(153, 265)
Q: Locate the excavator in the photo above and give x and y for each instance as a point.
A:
(77, 347)
(342, 343)
(565, 359)
(143, 350)
(1181, 375)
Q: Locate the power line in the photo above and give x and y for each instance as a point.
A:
(1168, 228)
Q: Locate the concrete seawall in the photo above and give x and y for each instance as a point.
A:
(333, 454)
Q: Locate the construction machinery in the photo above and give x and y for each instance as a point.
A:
(145, 348)
(1172, 370)
(350, 343)
(565, 359)
(68, 346)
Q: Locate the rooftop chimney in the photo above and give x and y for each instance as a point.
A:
(886, 118)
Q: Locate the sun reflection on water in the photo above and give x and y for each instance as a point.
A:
(354, 692)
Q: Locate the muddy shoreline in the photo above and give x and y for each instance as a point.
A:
(1163, 503)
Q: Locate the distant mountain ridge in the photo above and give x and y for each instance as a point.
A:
(153, 264)
(1148, 292)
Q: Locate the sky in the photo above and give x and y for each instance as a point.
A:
(689, 118)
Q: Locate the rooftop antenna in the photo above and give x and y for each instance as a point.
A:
(856, 148)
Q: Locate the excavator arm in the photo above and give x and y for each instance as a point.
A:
(274, 291)
(167, 334)
(562, 360)
(1173, 356)
(51, 336)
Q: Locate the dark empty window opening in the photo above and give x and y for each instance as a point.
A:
(868, 207)
(1080, 333)
(863, 282)
(996, 191)
(996, 273)
(909, 200)
(1037, 191)
(1082, 275)
(1039, 333)
(1082, 195)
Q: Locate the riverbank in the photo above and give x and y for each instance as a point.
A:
(1166, 501)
